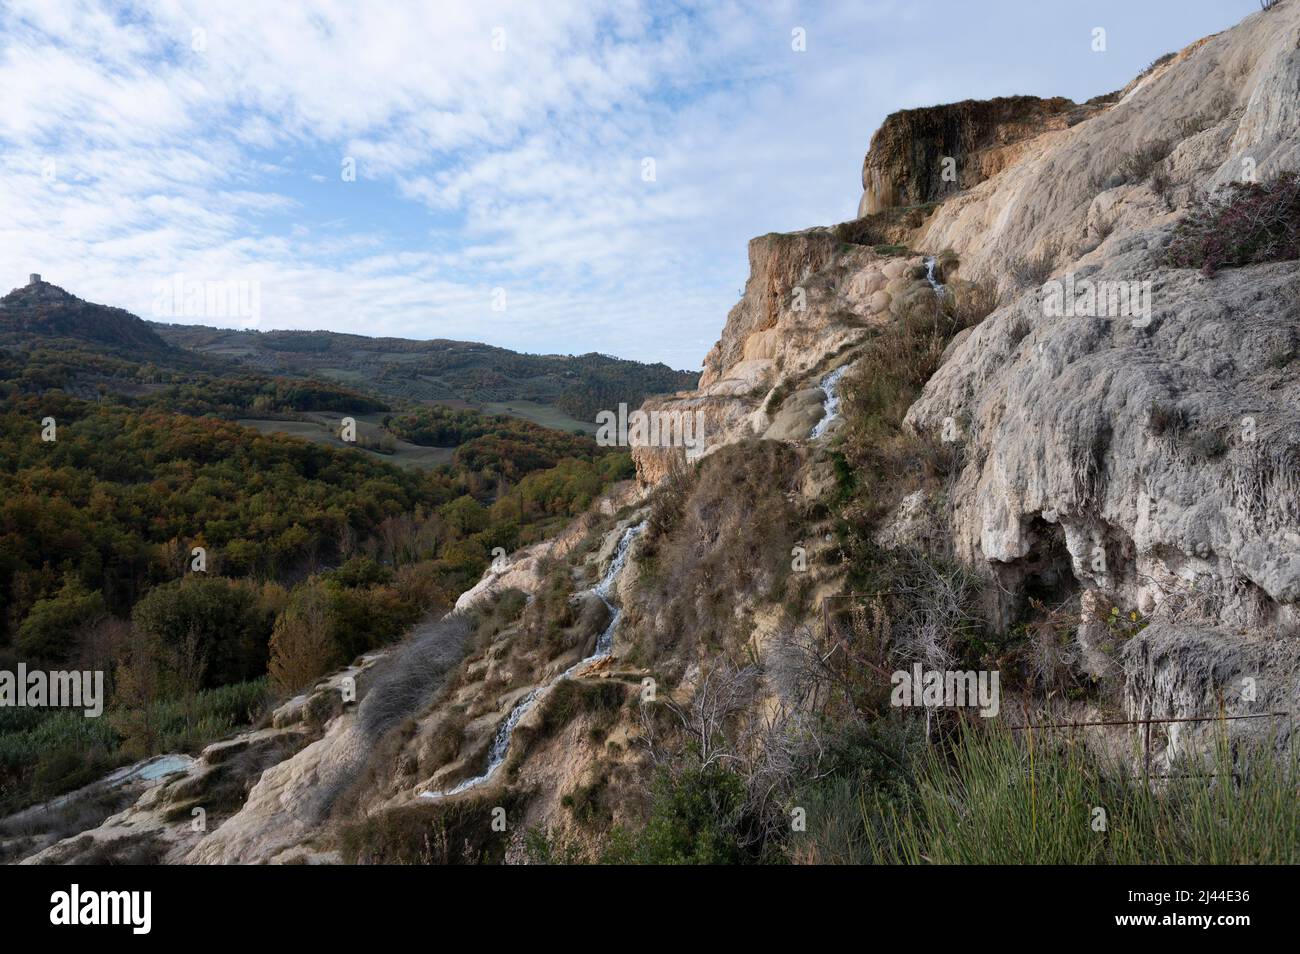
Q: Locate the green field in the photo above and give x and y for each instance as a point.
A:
(542, 414)
(322, 428)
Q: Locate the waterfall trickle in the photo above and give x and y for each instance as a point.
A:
(929, 277)
(604, 644)
(830, 384)
(603, 589)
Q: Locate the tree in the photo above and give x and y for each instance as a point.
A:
(465, 515)
(50, 630)
(230, 620)
(302, 648)
(152, 671)
(101, 644)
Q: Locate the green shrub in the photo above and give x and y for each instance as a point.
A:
(190, 724)
(50, 629)
(696, 818)
(230, 622)
(550, 848)
(54, 730)
(360, 571)
(366, 618)
(46, 752)
(868, 774)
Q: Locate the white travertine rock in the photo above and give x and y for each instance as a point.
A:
(1225, 99)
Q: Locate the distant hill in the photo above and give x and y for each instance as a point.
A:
(48, 311)
(51, 339)
(440, 370)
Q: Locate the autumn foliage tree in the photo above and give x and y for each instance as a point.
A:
(302, 646)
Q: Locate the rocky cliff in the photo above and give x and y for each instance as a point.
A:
(1151, 459)
(1223, 109)
(811, 298)
(1162, 448)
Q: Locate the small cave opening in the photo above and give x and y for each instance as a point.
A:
(1039, 616)
(1042, 578)
(1048, 571)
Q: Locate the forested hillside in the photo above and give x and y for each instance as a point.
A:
(208, 568)
(579, 385)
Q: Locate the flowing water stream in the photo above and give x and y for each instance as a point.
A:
(604, 644)
(929, 277)
(831, 382)
(831, 385)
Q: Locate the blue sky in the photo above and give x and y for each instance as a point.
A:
(500, 149)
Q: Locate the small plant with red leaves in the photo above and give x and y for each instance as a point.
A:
(1249, 224)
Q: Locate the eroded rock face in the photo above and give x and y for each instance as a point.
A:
(1162, 452)
(1181, 671)
(777, 263)
(809, 301)
(1167, 455)
(1154, 465)
(908, 162)
(288, 803)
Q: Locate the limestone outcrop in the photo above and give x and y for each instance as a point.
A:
(811, 298)
(1146, 452)
(1221, 110)
(927, 154)
(246, 798)
(1157, 453)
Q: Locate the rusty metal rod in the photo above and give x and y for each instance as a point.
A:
(1215, 718)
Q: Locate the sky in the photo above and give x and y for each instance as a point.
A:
(552, 177)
